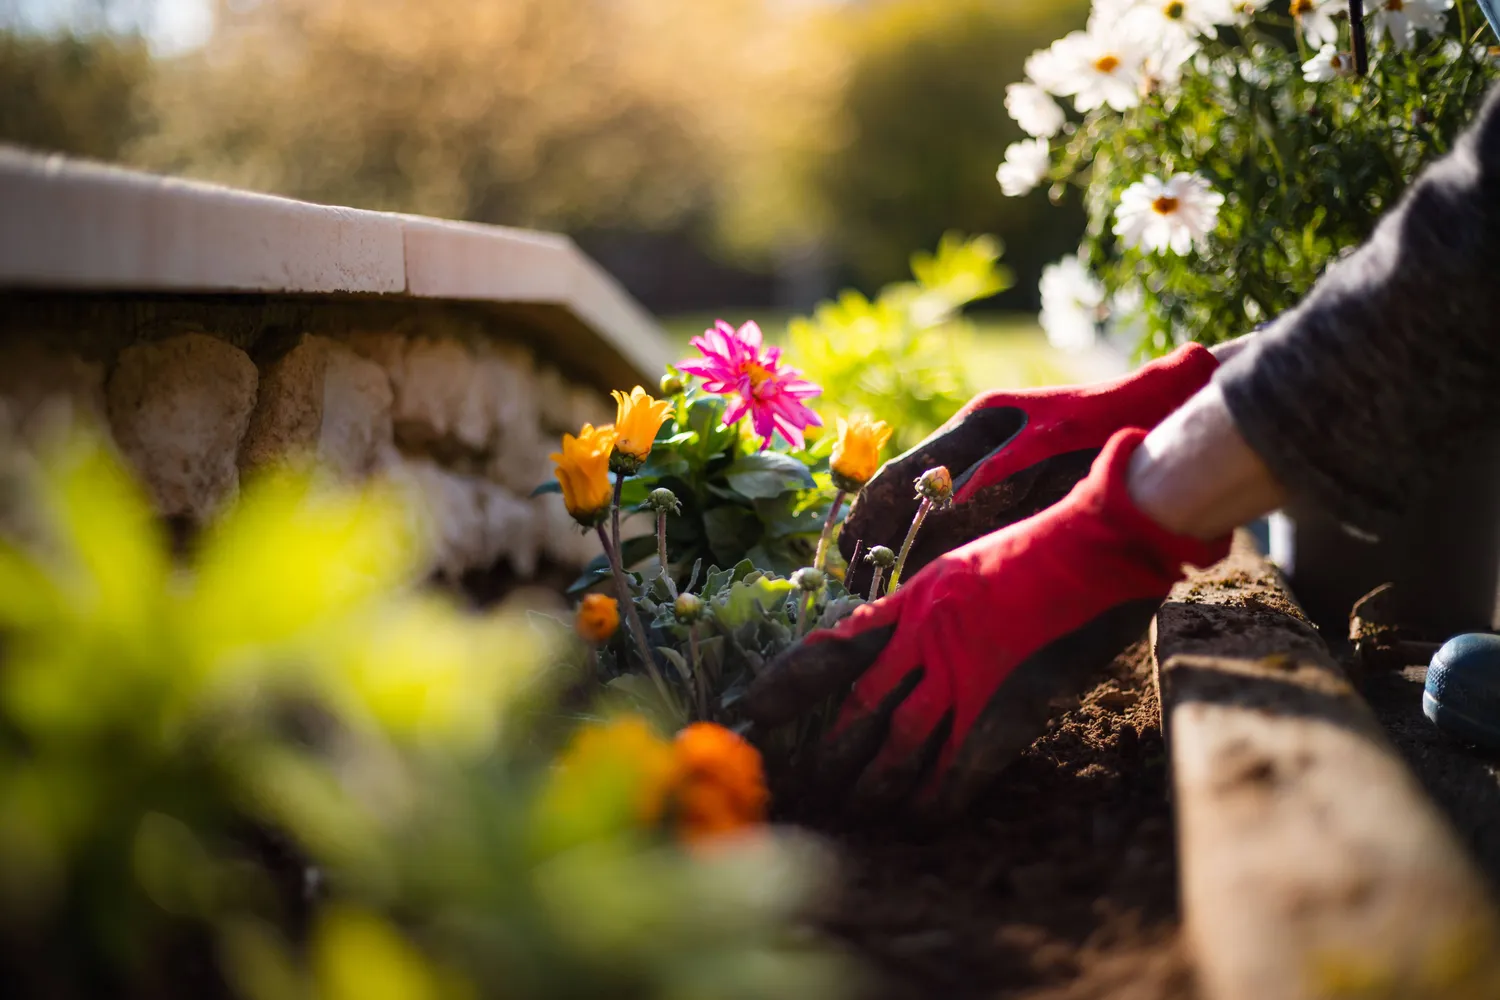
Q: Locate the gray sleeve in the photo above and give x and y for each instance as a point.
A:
(1355, 398)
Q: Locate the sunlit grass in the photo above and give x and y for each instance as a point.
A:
(1009, 350)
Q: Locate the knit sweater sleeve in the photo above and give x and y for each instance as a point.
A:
(1357, 396)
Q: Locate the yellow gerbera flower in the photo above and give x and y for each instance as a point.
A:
(583, 472)
(638, 417)
(856, 454)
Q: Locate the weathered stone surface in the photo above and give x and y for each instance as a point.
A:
(40, 387)
(473, 523)
(288, 414)
(179, 409)
(356, 435)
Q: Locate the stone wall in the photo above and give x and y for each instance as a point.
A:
(457, 408)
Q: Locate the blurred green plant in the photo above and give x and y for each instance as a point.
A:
(284, 771)
(900, 357)
(73, 94)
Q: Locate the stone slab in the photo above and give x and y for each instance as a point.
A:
(1313, 865)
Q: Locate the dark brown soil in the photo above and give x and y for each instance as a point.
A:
(1063, 885)
(1463, 780)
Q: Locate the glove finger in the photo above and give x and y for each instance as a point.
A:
(1019, 495)
(819, 667)
(858, 738)
(883, 510)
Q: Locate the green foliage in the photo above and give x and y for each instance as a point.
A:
(76, 95)
(900, 357)
(283, 771)
(1307, 168)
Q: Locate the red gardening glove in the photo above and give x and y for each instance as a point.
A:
(952, 675)
(1012, 454)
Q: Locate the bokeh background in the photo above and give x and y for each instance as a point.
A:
(743, 156)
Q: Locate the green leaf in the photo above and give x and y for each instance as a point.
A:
(768, 474)
(731, 530)
(766, 596)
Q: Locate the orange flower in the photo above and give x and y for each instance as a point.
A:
(856, 454)
(637, 419)
(720, 787)
(625, 753)
(583, 472)
(598, 618)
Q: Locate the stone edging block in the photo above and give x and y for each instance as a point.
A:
(1313, 865)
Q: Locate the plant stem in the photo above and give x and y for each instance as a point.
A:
(911, 536)
(859, 543)
(833, 513)
(700, 682)
(875, 584)
(805, 611)
(614, 517)
(633, 617)
(661, 551)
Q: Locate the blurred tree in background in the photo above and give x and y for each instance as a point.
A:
(758, 131)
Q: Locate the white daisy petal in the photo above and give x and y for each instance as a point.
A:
(1026, 165)
(1034, 110)
(1328, 64)
(1154, 215)
(1072, 305)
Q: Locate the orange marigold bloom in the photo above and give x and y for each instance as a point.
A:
(598, 618)
(856, 454)
(583, 473)
(720, 787)
(637, 419)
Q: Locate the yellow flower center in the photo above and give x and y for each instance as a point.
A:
(1175, 9)
(1107, 64)
(1300, 7)
(1395, 4)
(758, 374)
(1164, 205)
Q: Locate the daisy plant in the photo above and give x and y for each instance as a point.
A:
(1227, 151)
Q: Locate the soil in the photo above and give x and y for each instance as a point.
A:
(1063, 886)
(1462, 779)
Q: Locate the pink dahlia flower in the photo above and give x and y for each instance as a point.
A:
(736, 364)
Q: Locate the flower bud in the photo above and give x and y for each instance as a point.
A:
(687, 608)
(598, 618)
(936, 485)
(809, 579)
(663, 501)
(881, 556)
(671, 384)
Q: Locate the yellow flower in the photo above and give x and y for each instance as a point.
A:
(626, 754)
(856, 455)
(637, 419)
(598, 618)
(583, 471)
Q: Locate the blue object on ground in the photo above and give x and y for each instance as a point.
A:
(1463, 689)
(1491, 14)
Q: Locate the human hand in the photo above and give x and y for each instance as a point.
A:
(948, 679)
(1011, 455)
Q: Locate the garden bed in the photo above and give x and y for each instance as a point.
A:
(1063, 884)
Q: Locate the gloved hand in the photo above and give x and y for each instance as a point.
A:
(1012, 454)
(952, 675)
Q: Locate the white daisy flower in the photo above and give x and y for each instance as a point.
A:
(1315, 18)
(1127, 323)
(1155, 215)
(1034, 110)
(1072, 305)
(1175, 22)
(1026, 165)
(1094, 68)
(1328, 64)
(1402, 19)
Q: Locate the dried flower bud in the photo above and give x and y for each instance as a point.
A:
(881, 556)
(809, 579)
(936, 485)
(687, 608)
(664, 501)
(671, 385)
